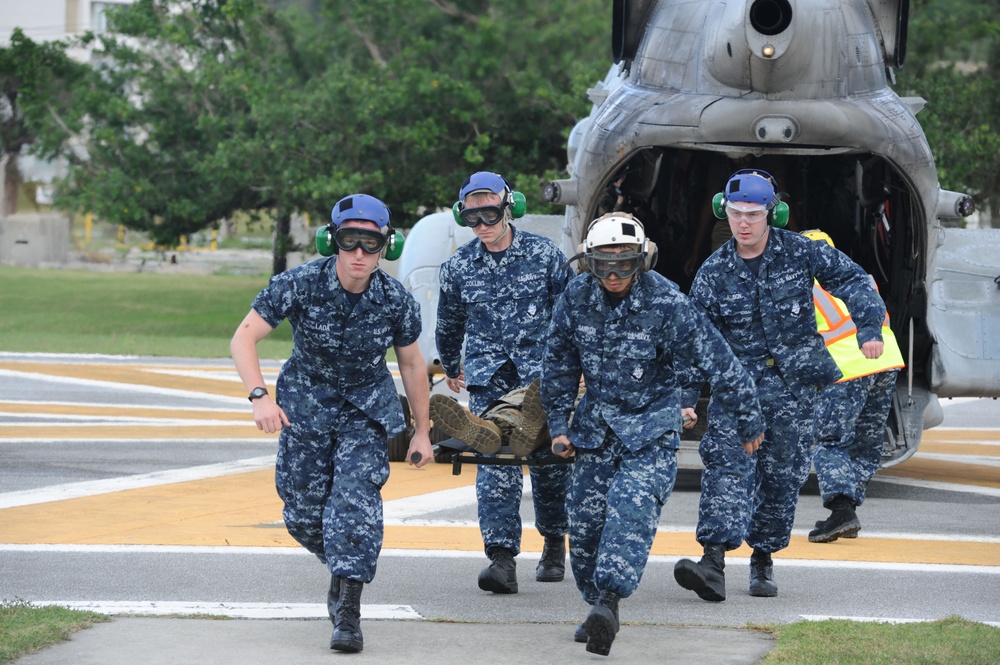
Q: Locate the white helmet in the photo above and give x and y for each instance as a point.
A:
(614, 228)
(617, 228)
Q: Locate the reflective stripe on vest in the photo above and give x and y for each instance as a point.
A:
(840, 334)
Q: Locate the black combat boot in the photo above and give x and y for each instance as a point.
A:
(501, 575)
(762, 582)
(580, 634)
(707, 577)
(347, 629)
(842, 523)
(602, 625)
(332, 598)
(552, 565)
(821, 524)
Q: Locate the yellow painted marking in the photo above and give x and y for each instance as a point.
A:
(119, 411)
(244, 510)
(945, 434)
(131, 374)
(945, 472)
(104, 431)
(959, 448)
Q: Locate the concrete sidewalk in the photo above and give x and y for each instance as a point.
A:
(161, 641)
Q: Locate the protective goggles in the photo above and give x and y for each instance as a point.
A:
(625, 264)
(488, 215)
(350, 238)
(750, 216)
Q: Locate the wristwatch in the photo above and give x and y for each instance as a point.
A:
(257, 393)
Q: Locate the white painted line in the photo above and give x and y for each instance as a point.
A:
(399, 510)
(935, 485)
(213, 374)
(819, 617)
(234, 610)
(478, 554)
(130, 387)
(7, 406)
(104, 439)
(978, 460)
(154, 549)
(69, 420)
(94, 487)
(977, 442)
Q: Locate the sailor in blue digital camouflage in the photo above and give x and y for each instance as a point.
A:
(850, 414)
(757, 290)
(497, 293)
(623, 327)
(336, 402)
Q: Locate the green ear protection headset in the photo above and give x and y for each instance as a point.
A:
(365, 208)
(486, 180)
(753, 186)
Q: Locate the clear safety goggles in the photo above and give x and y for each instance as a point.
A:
(752, 216)
(488, 215)
(603, 264)
(349, 239)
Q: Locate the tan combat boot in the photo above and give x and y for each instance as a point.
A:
(525, 439)
(458, 422)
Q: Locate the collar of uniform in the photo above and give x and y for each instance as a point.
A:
(516, 244)
(597, 301)
(329, 284)
(775, 245)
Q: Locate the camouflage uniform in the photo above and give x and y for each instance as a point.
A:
(850, 430)
(626, 428)
(342, 403)
(769, 321)
(502, 312)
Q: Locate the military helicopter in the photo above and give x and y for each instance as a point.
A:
(801, 89)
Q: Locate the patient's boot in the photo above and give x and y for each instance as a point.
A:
(525, 439)
(458, 422)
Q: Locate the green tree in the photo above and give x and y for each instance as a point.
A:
(171, 142)
(200, 109)
(954, 62)
(34, 99)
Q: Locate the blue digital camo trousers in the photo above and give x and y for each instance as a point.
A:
(331, 485)
(753, 497)
(850, 431)
(499, 488)
(615, 500)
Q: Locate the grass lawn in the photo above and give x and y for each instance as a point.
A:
(62, 311)
(26, 629)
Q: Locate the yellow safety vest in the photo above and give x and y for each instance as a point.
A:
(840, 333)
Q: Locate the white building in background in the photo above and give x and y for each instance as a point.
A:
(47, 20)
(51, 20)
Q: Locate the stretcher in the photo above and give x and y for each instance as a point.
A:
(458, 453)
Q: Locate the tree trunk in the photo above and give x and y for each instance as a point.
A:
(11, 184)
(282, 242)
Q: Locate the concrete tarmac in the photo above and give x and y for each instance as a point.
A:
(127, 641)
(134, 480)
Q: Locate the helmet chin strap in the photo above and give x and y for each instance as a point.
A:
(506, 230)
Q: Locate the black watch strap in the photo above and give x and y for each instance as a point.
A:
(257, 393)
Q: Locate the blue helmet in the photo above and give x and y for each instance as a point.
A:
(752, 186)
(484, 180)
(360, 206)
